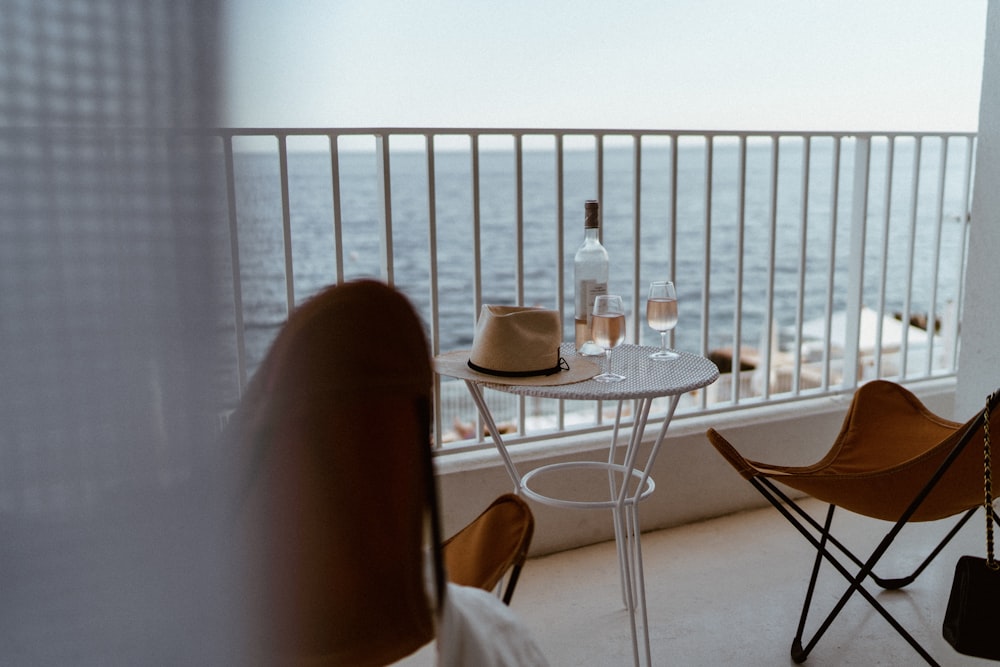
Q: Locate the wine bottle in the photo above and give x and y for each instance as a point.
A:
(590, 273)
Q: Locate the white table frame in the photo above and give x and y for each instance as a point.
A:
(646, 380)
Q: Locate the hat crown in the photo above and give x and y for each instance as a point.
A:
(517, 339)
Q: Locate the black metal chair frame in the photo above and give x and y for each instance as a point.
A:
(819, 535)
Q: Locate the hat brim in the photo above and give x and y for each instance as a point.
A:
(456, 365)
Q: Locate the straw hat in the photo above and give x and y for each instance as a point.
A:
(515, 345)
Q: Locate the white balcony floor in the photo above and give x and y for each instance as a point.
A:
(728, 592)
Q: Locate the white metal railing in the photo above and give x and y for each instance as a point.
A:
(797, 256)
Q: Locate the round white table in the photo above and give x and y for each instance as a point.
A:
(645, 380)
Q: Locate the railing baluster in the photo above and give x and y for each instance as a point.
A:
(519, 249)
(911, 254)
(638, 296)
(435, 324)
(561, 251)
(764, 368)
(599, 174)
(741, 216)
(707, 257)
(599, 169)
(286, 222)
(234, 256)
(856, 261)
(519, 218)
(672, 231)
(831, 275)
(338, 221)
(803, 256)
(477, 257)
(884, 260)
(957, 306)
(936, 260)
(383, 168)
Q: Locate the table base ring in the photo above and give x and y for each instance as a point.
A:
(611, 503)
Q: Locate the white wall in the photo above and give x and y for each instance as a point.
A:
(979, 359)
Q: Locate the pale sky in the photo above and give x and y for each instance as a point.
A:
(908, 65)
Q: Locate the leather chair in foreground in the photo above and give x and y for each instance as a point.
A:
(338, 507)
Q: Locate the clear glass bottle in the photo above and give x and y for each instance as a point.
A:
(590, 274)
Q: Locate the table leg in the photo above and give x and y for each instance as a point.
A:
(616, 517)
(627, 535)
(625, 514)
(625, 564)
(477, 397)
(633, 530)
(640, 582)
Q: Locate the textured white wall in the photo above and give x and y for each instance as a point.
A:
(979, 360)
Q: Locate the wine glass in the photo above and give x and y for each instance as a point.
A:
(661, 313)
(608, 330)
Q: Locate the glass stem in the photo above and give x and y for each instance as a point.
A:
(607, 355)
(663, 341)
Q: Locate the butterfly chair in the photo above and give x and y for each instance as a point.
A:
(493, 546)
(340, 503)
(893, 460)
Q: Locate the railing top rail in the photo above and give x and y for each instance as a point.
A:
(511, 131)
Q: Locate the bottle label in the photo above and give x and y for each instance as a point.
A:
(586, 292)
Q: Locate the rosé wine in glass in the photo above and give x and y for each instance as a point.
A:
(661, 314)
(608, 330)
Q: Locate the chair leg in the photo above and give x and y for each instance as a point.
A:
(515, 572)
(883, 582)
(856, 587)
(798, 651)
(893, 584)
(798, 655)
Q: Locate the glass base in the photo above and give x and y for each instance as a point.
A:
(664, 355)
(609, 377)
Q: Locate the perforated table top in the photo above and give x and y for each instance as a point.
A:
(644, 377)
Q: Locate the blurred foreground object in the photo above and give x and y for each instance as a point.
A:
(339, 506)
(109, 253)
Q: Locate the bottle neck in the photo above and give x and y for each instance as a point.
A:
(591, 234)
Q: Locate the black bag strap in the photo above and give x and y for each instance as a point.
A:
(988, 500)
